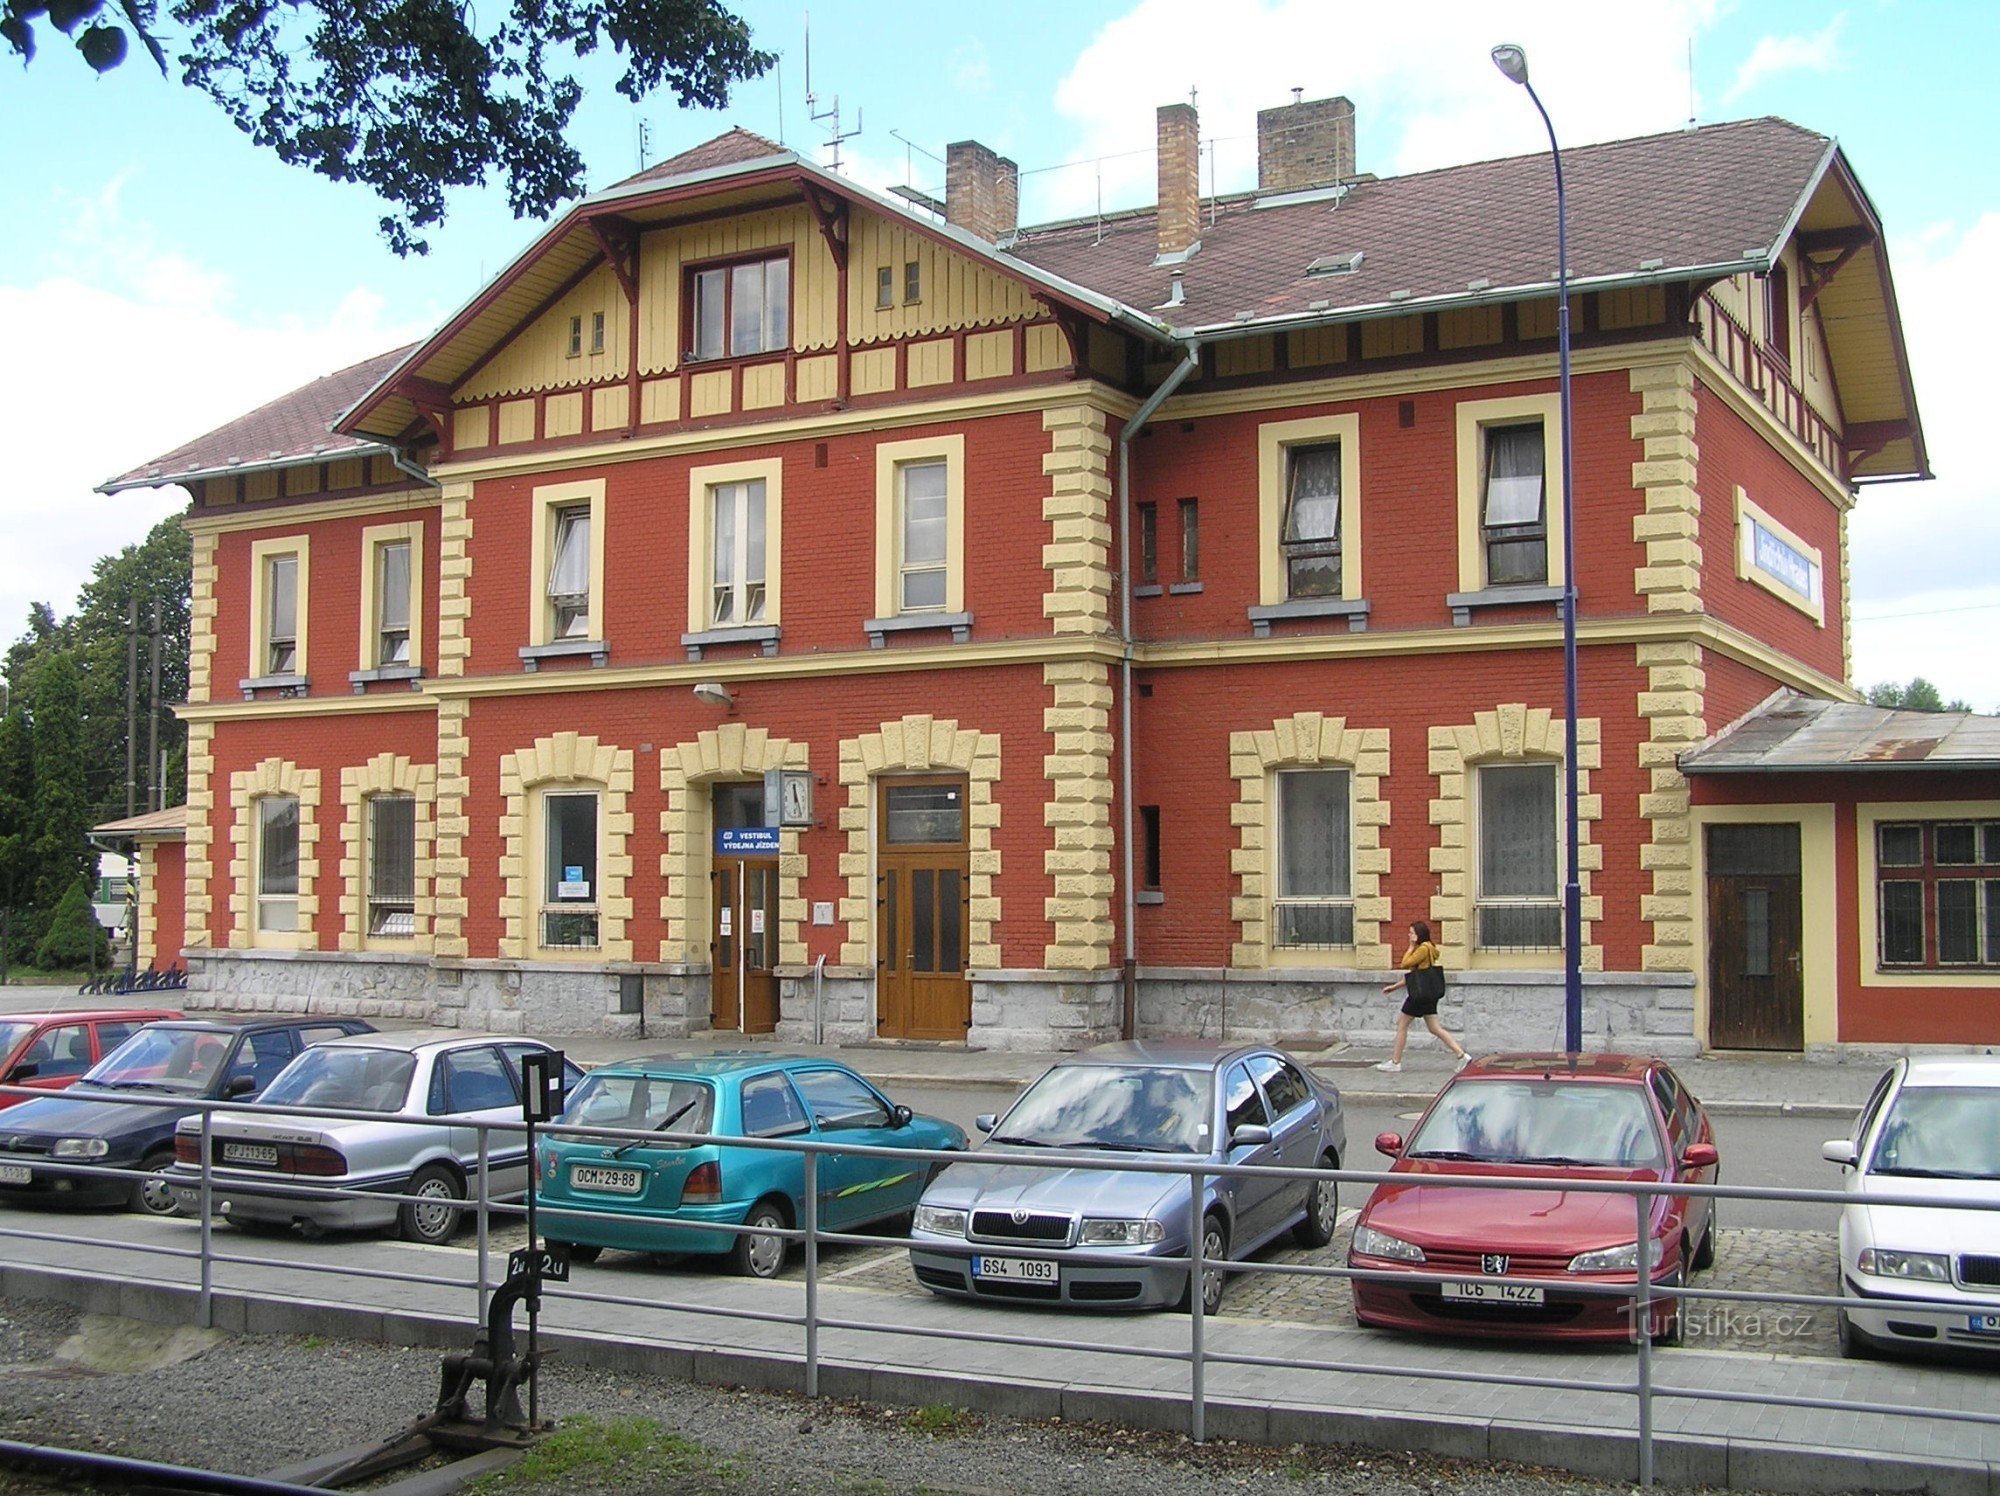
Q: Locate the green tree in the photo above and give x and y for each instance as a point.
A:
(17, 827)
(74, 939)
(62, 806)
(411, 97)
(1918, 696)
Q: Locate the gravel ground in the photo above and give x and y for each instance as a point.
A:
(250, 1404)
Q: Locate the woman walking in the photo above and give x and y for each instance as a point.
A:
(1421, 956)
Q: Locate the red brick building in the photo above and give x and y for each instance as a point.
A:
(767, 605)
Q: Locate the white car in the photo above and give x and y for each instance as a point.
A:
(1931, 1129)
(278, 1171)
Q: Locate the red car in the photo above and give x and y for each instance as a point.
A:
(1520, 1255)
(50, 1051)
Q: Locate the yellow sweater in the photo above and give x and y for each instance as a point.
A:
(1420, 955)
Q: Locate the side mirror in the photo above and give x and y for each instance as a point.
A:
(1390, 1143)
(26, 1070)
(985, 1121)
(1251, 1136)
(238, 1085)
(1700, 1156)
(900, 1117)
(1839, 1151)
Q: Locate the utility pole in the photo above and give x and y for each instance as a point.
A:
(132, 708)
(157, 799)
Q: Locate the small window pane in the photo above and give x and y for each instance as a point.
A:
(923, 922)
(926, 814)
(1514, 485)
(1958, 921)
(1149, 544)
(569, 573)
(1991, 928)
(1989, 838)
(777, 303)
(746, 309)
(885, 288)
(392, 597)
(392, 865)
(1190, 540)
(571, 874)
(1900, 845)
(283, 622)
(1312, 521)
(710, 296)
(1902, 923)
(913, 280)
(951, 909)
(1756, 932)
(1957, 843)
(597, 332)
(278, 859)
(926, 524)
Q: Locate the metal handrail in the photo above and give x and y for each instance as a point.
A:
(1641, 1290)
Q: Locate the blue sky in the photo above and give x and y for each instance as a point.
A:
(161, 275)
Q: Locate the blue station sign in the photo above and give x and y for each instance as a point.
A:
(747, 841)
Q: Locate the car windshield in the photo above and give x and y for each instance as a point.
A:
(1540, 1121)
(641, 1103)
(1135, 1108)
(1941, 1132)
(167, 1059)
(357, 1080)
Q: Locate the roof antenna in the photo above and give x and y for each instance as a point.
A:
(835, 136)
(1691, 124)
(645, 144)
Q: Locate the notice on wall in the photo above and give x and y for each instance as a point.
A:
(728, 921)
(823, 912)
(573, 888)
(756, 922)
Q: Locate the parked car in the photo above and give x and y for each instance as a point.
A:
(1557, 1118)
(181, 1060)
(644, 1196)
(1931, 1128)
(1173, 1099)
(283, 1170)
(51, 1051)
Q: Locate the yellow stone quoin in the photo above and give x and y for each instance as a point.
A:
(1078, 510)
(1667, 478)
(1078, 814)
(198, 904)
(1308, 740)
(1672, 709)
(449, 864)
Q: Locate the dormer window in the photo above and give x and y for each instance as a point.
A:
(741, 309)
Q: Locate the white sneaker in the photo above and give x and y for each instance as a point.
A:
(1392, 1066)
(1463, 1060)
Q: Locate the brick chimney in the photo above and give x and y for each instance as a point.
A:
(1305, 144)
(981, 190)
(1180, 180)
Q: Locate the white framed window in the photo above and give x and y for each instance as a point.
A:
(392, 866)
(575, 346)
(1311, 535)
(597, 332)
(1519, 863)
(1313, 904)
(920, 527)
(1513, 516)
(278, 585)
(568, 914)
(277, 871)
(885, 287)
(392, 603)
(741, 309)
(569, 574)
(566, 563)
(736, 553)
(1510, 493)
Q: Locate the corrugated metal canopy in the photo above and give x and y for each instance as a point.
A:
(156, 825)
(1790, 733)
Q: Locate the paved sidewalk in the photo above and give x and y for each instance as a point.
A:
(1822, 1084)
(1268, 1381)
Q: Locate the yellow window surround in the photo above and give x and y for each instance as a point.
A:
(702, 483)
(546, 504)
(890, 460)
(1475, 419)
(1274, 438)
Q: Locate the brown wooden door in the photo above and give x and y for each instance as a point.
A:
(922, 899)
(1756, 982)
(744, 988)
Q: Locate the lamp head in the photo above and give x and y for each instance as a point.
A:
(1513, 61)
(714, 693)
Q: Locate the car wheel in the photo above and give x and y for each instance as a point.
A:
(757, 1254)
(577, 1251)
(150, 1195)
(1322, 1209)
(432, 1217)
(1214, 1253)
(1704, 1257)
(1854, 1345)
(1670, 1332)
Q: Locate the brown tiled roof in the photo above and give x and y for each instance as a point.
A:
(1690, 198)
(291, 426)
(725, 149)
(161, 825)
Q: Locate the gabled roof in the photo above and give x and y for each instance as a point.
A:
(292, 428)
(727, 149)
(1790, 733)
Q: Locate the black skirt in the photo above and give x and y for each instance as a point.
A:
(1417, 1007)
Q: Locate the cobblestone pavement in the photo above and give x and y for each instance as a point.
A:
(1746, 1261)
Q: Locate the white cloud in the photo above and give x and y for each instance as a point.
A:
(1772, 55)
(1425, 90)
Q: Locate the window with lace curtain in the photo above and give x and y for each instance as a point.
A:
(736, 559)
(392, 866)
(569, 574)
(1311, 536)
(1518, 905)
(1314, 900)
(1514, 515)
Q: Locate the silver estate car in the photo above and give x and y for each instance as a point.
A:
(437, 1082)
(1171, 1099)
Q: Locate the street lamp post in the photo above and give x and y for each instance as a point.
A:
(1513, 62)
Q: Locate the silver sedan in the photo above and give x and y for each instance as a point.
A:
(1175, 1100)
(431, 1091)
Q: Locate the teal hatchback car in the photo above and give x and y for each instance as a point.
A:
(644, 1196)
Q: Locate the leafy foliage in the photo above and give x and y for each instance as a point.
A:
(74, 938)
(1918, 696)
(411, 97)
(62, 806)
(17, 825)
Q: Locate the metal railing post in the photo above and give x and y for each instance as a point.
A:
(1197, 1272)
(484, 1230)
(206, 1208)
(1642, 1316)
(812, 1275)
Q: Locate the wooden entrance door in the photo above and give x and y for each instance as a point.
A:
(1756, 984)
(921, 905)
(744, 899)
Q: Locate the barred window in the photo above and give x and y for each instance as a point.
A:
(1314, 904)
(392, 866)
(1518, 869)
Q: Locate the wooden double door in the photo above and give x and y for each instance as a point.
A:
(743, 900)
(1756, 947)
(922, 909)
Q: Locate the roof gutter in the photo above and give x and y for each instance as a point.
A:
(1132, 427)
(1866, 766)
